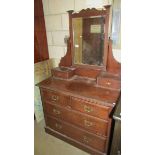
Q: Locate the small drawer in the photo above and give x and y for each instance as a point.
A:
(109, 83)
(54, 97)
(90, 108)
(63, 72)
(89, 123)
(78, 134)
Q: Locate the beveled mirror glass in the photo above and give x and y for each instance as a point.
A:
(88, 40)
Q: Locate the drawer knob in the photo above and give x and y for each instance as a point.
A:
(87, 109)
(88, 123)
(58, 126)
(55, 98)
(57, 112)
(86, 139)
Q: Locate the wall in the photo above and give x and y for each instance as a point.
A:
(57, 23)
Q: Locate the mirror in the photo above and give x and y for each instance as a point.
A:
(88, 40)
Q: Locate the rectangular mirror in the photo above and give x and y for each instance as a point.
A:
(88, 40)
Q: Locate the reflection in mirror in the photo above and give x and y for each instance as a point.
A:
(88, 36)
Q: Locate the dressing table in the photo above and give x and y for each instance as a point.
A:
(79, 98)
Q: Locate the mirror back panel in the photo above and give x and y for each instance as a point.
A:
(88, 38)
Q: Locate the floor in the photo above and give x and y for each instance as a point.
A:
(45, 144)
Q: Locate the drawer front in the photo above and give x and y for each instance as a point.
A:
(55, 97)
(91, 124)
(89, 108)
(109, 83)
(77, 134)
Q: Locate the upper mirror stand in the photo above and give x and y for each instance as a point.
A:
(111, 69)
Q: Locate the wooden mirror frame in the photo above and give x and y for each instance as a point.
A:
(67, 60)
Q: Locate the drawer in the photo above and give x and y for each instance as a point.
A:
(63, 72)
(89, 108)
(77, 133)
(55, 97)
(109, 83)
(89, 123)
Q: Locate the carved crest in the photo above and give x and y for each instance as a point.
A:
(91, 12)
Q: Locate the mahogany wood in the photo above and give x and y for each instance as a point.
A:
(58, 91)
(89, 123)
(90, 108)
(91, 12)
(87, 72)
(67, 60)
(109, 83)
(109, 80)
(40, 40)
(76, 133)
(65, 73)
(55, 97)
(78, 104)
(113, 66)
(78, 100)
(74, 142)
(84, 90)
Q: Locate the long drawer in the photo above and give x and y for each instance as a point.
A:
(82, 136)
(91, 124)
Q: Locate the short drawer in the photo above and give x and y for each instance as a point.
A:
(54, 97)
(78, 134)
(91, 124)
(109, 83)
(89, 108)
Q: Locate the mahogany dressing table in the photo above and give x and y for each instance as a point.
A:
(79, 97)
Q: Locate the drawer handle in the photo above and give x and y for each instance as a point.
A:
(87, 109)
(86, 139)
(88, 123)
(57, 112)
(68, 107)
(108, 83)
(55, 98)
(58, 126)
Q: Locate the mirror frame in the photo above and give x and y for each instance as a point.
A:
(90, 13)
(67, 60)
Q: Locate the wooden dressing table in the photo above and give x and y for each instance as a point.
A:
(79, 97)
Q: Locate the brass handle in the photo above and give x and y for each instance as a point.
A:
(108, 83)
(55, 98)
(58, 126)
(87, 108)
(68, 107)
(57, 112)
(88, 123)
(86, 139)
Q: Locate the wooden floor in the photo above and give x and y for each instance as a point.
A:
(45, 144)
